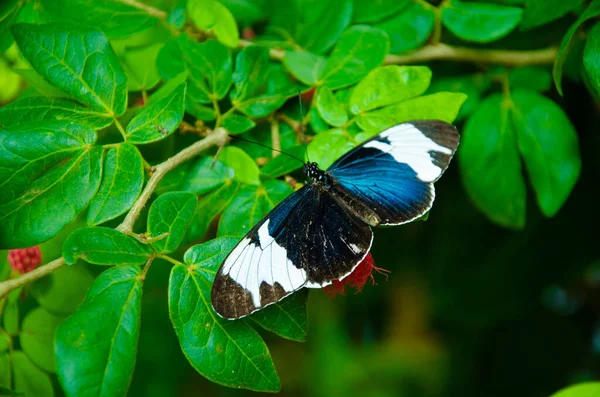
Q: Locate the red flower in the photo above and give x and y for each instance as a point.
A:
(357, 279)
(248, 33)
(25, 260)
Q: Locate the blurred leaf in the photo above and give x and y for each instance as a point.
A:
(282, 164)
(287, 318)
(198, 111)
(104, 246)
(38, 108)
(530, 77)
(206, 175)
(5, 341)
(62, 54)
(316, 121)
(8, 13)
(549, 145)
(95, 348)
(261, 87)
(5, 370)
(246, 11)
(331, 110)
(37, 82)
(328, 146)
(10, 315)
(440, 106)
(387, 85)
(305, 66)
(50, 172)
(473, 86)
(171, 213)
(37, 338)
(480, 22)
(591, 56)
(245, 169)
(122, 180)
(209, 207)
(366, 11)
(114, 17)
(140, 67)
(409, 29)
(250, 205)
(227, 352)
(212, 15)
(236, 124)
(359, 50)
(586, 389)
(490, 165)
(159, 119)
(322, 24)
(29, 379)
(592, 11)
(7, 392)
(63, 290)
(540, 12)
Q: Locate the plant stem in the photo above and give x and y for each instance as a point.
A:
(155, 12)
(275, 138)
(218, 137)
(447, 52)
(120, 128)
(8, 286)
(169, 259)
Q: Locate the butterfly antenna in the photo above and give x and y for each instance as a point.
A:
(265, 146)
(302, 126)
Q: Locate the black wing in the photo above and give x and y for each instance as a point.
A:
(393, 173)
(308, 240)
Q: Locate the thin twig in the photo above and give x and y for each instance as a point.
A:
(275, 138)
(155, 12)
(8, 286)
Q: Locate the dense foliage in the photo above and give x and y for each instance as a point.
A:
(114, 152)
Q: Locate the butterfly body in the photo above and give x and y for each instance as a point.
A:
(321, 232)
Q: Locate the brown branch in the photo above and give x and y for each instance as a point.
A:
(6, 287)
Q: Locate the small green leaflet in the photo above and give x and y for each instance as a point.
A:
(170, 214)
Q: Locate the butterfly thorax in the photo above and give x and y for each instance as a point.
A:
(317, 175)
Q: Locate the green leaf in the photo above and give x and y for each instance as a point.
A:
(585, 389)
(250, 205)
(122, 181)
(440, 106)
(171, 213)
(198, 111)
(287, 318)
(331, 110)
(592, 11)
(40, 85)
(244, 168)
(7, 392)
(367, 11)
(261, 87)
(246, 12)
(230, 353)
(328, 146)
(10, 315)
(591, 56)
(530, 77)
(205, 175)
(208, 66)
(490, 165)
(63, 290)
(209, 207)
(359, 50)
(159, 119)
(305, 66)
(322, 24)
(549, 145)
(480, 22)
(104, 246)
(5, 370)
(8, 13)
(410, 29)
(387, 85)
(38, 108)
(236, 124)
(473, 86)
(540, 12)
(140, 67)
(316, 121)
(5, 341)
(212, 15)
(95, 348)
(282, 164)
(37, 338)
(29, 379)
(78, 61)
(113, 17)
(50, 173)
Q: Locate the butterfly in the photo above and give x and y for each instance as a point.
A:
(322, 231)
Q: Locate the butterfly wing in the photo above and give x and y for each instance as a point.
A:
(308, 240)
(393, 173)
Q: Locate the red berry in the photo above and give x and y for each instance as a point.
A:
(357, 279)
(248, 33)
(25, 260)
